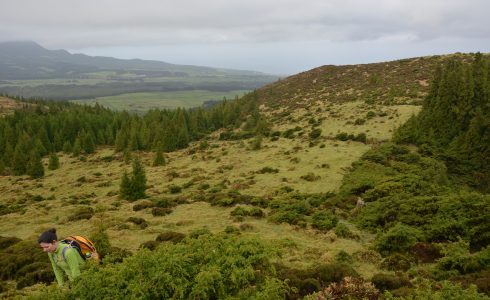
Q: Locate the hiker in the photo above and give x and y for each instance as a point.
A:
(64, 258)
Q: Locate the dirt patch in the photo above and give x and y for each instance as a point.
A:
(7, 106)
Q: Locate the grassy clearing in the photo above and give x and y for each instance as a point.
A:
(142, 102)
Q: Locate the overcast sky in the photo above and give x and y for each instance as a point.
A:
(274, 36)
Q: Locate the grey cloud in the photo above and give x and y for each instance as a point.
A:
(124, 22)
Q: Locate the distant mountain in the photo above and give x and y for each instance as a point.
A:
(60, 75)
(28, 60)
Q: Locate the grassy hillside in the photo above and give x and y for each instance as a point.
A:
(312, 165)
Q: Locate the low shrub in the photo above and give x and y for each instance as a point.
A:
(82, 213)
(142, 205)
(310, 177)
(265, 170)
(246, 227)
(344, 257)
(232, 230)
(399, 238)
(425, 252)
(7, 241)
(160, 211)
(151, 245)
(342, 231)
(239, 211)
(350, 288)
(174, 189)
(384, 281)
(256, 212)
(324, 221)
(138, 221)
(170, 236)
(396, 262)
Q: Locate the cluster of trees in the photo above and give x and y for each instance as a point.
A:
(41, 128)
(454, 123)
(430, 203)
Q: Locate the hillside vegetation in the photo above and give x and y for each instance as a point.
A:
(256, 198)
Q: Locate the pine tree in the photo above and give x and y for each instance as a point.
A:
(35, 167)
(54, 162)
(67, 148)
(89, 143)
(159, 158)
(138, 180)
(134, 188)
(21, 159)
(77, 147)
(125, 187)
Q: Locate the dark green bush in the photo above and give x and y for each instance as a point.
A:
(160, 211)
(342, 231)
(151, 245)
(256, 212)
(81, 214)
(267, 170)
(323, 220)
(396, 262)
(239, 211)
(164, 203)
(344, 257)
(400, 238)
(175, 189)
(138, 221)
(26, 263)
(142, 205)
(315, 133)
(384, 281)
(196, 233)
(209, 267)
(7, 241)
(343, 136)
(170, 236)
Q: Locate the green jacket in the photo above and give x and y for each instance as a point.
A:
(69, 265)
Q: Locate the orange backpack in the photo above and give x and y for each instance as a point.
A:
(84, 246)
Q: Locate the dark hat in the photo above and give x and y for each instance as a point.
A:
(48, 236)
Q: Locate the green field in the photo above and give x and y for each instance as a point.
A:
(141, 102)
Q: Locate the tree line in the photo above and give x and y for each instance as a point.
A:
(454, 123)
(43, 127)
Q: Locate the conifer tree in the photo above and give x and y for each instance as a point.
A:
(35, 167)
(67, 148)
(77, 147)
(125, 187)
(8, 155)
(134, 188)
(138, 180)
(159, 158)
(21, 158)
(54, 162)
(2, 166)
(89, 143)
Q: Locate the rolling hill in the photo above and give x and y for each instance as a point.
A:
(31, 71)
(280, 169)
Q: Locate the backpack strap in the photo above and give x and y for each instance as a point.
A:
(63, 251)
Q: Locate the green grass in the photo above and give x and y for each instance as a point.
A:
(141, 102)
